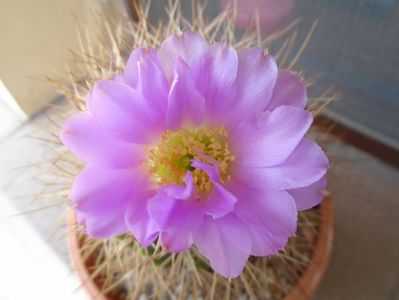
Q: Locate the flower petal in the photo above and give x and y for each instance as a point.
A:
(256, 77)
(212, 171)
(124, 112)
(96, 189)
(220, 202)
(268, 138)
(177, 219)
(144, 72)
(289, 90)
(119, 78)
(131, 70)
(138, 220)
(215, 78)
(176, 241)
(102, 227)
(101, 196)
(226, 243)
(306, 165)
(189, 46)
(84, 136)
(176, 214)
(309, 196)
(270, 216)
(152, 82)
(185, 103)
(176, 191)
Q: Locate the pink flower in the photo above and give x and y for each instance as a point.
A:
(197, 144)
(272, 15)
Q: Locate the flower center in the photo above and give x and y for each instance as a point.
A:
(172, 157)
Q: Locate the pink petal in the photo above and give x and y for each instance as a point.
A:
(289, 90)
(152, 83)
(226, 243)
(309, 196)
(176, 241)
(96, 189)
(212, 171)
(119, 78)
(220, 202)
(85, 137)
(101, 227)
(131, 70)
(256, 77)
(138, 221)
(101, 196)
(270, 216)
(215, 78)
(176, 219)
(181, 192)
(306, 165)
(176, 214)
(268, 138)
(144, 71)
(189, 46)
(185, 103)
(124, 112)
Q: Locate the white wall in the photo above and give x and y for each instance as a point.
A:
(34, 39)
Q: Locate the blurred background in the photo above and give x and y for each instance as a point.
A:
(354, 48)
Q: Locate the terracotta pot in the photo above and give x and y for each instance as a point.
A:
(311, 278)
(303, 290)
(78, 265)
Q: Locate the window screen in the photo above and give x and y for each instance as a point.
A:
(355, 48)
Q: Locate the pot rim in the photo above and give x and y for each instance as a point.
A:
(304, 289)
(311, 278)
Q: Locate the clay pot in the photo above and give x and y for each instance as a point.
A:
(303, 290)
(77, 262)
(311, 278)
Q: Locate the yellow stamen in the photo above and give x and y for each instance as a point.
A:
(169, 160)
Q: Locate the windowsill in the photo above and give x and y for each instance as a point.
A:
(29, 267)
